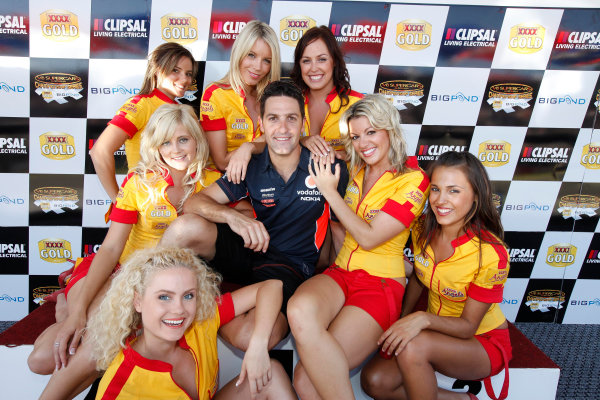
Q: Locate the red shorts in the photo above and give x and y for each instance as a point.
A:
(380, 297)
(80, 270)
(498, 348)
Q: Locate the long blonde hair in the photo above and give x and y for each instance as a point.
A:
(116, 318)
(161, 128)
(381, 115)
(253, 31)
(161, 62)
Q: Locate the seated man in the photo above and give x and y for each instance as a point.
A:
(292, 216)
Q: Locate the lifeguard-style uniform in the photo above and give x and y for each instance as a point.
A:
(132, 376)
(331, 128)
(133, 116)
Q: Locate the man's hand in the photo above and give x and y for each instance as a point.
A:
(253, 232)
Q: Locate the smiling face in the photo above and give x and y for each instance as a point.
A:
(371, 144)
(256, 64)
(282, 123)
(316, 66)
(451, 197)
(179, 152)
(174, 83)
(168, 306)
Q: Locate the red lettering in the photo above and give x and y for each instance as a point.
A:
(297, 24)
(414, 28)
(51, 245)
(59, 18)
(527, 31)
(494, 147)
(57, 139)
(179, 21)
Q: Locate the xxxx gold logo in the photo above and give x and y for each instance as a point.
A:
(590, 156)
(400, 92)
(179, 28)
(576, 205)
(561, 255)
(413, 34)
(542, 300)
(293, 27)
(55, 199)
(39, 293)
(57, 145)
(55, 250)
(160, 211)
(57, 86)
(59, 25)
(526, 39)
(494, 153)
(506, 96)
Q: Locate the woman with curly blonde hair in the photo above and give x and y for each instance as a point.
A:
(173, 297)
(173, 156)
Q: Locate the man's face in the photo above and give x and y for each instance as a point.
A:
(282, 124)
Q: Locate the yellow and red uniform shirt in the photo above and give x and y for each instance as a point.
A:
(131, 376)
(133, 116)
(150, 220)
(331, 127)
(403, 197)
(452, 280)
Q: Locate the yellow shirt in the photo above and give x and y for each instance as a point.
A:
(452, 280)
(403, 197)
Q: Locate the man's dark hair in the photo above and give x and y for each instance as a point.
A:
(282, 88)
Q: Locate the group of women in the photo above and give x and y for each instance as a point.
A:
(153, 327)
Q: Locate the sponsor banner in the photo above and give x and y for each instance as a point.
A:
(14, 144)
(545, 154)
(528, 205)
(57, 145)
(577, 207)
(55, 199)
(290, 19)
(499, 191)
(560, 255)
(193, 94)
(509, 97)
(228, 19)
(523, 250)
(39, 287)
(51, 250)
(13, 250)
(359, 29)
(436, 140)
(584, 304)
(584, 165)
(563, 99)
(95, 201)
(94, 128)
(498, 149)
(455, 96)
(186, 23)
(111, 83)
(514, 289)
(577, 43)
(14, 199)
(14, 86)
(413, 35)
(60, 30)
(591, 264)
(470, 36)
(526, 38)
(120, 29)
(545, 300)
(14, 28)
(14, 298)
(363, 77)
(91, 239)
(407, 88)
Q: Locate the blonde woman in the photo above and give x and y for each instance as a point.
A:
(173, 155)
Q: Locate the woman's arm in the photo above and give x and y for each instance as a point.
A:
(414, 288)
(239, 158)
(103, 157)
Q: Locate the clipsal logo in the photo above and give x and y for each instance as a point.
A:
(55, 199)
(561, 255)
(413, 34)
(543, 299)
(39, 293)
(566, 99)
(119, 152)
(593, 257)
(470, 37)
(227, 29)
(90, 249)
(120, 27)
(357, 33)
(577, 40)
(240, 123)
(522, 255)
(576, 205)
(13, 250)
(526, 39)
(55, 250)
(11, 88)
(401, 92)
(590, 156)
(545, 154)
(57, 145)
(13, 145)
(160, 211)
(459, 96)
(494, 153)
(59, 25)
(57, 86)
(527, 207)
(506, 96)
(179, 28)
(13, 25)
(118, 89)
(293, 27)
(432, 152)
(594, 302)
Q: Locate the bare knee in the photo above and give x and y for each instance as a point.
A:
(416, 351)
(378, 381)
(188, 230)
(238, 332)
(300, 312)
(41, 361)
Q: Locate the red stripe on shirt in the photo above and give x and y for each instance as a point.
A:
(124, 216)
(118, 381)
(120, 121)
(322, 223)
(402, 212)
(208, 92)
(486, 295)
(226, 308)
(213, 124)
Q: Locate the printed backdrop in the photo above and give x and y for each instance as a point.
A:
(517, 87)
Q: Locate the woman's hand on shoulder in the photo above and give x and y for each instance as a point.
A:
(317, 145)
(395, 338)
(238, 163)
(68, 337)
